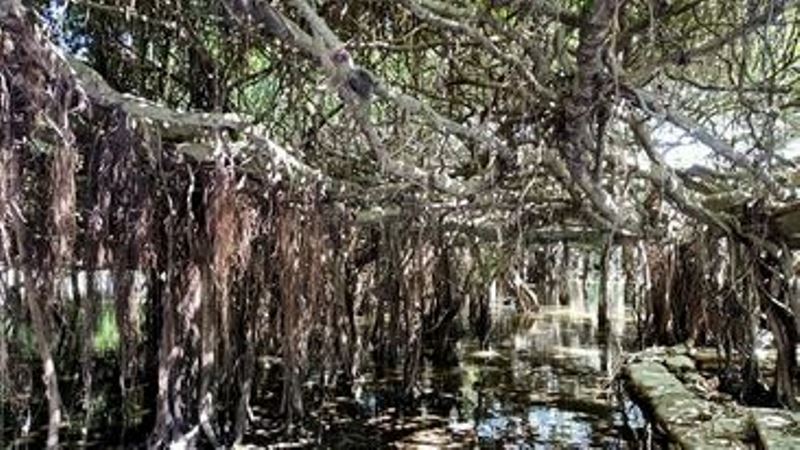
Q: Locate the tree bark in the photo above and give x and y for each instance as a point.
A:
(89, 309)
(602, 302)
(33, 288)
(208, 356)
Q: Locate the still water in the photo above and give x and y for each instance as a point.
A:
(544, 382)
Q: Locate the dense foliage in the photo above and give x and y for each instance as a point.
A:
(252, 196)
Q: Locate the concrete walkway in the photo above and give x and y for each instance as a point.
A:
(665, 382)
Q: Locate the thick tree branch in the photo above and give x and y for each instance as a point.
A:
(666, 179)
(173, 125)
(649, 104)
(580, 108)
(326, 41)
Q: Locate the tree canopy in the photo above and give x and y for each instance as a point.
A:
(484, 103)
(288, 166)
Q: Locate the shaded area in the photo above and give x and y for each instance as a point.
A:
(541, 382)
(175, 278)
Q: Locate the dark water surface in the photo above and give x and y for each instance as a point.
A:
(544, 382)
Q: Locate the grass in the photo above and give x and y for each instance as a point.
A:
(106, 336)
(105, 339)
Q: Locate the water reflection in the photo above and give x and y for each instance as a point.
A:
(543, 383)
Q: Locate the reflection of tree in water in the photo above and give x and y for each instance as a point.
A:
(511, 158)
(533, 394)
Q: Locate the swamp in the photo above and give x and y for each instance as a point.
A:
(410, 224)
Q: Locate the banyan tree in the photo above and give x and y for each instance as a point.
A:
(206, 205)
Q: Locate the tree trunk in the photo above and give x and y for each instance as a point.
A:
(4, 312)
(249, 337)
(783, 325)
(37, 285)
(167, 353)
(89, 309)
(49, 377)
(151, 340)
(564, 275)
(628, 263)
(602, 296)
(123, 286)
(587, 262)
(208, 364)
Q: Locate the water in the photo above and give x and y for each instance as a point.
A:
(543, 383)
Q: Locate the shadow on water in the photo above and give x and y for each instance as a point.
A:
(544, 382)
